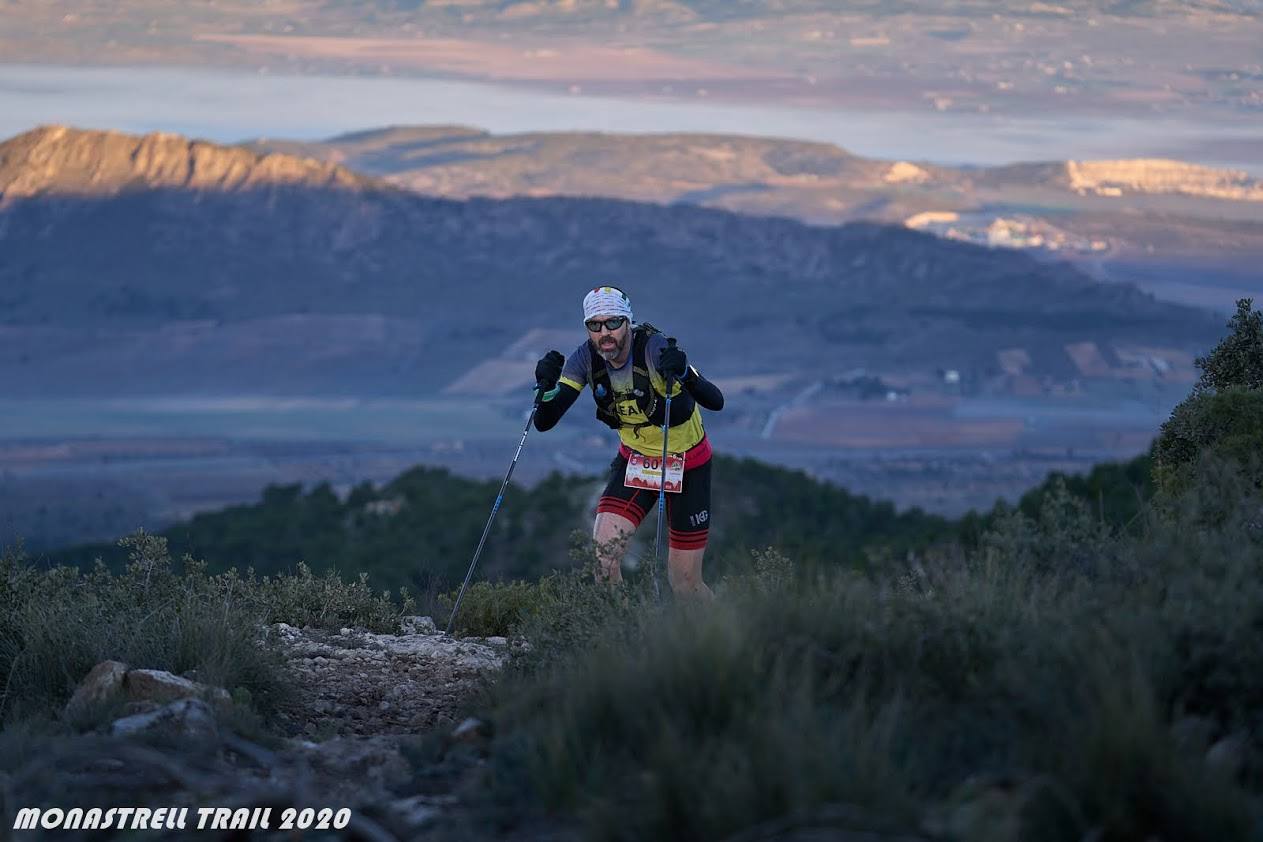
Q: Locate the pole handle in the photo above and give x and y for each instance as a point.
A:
(669, 379)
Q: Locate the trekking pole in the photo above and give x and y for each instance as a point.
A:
(662, 485)
(539, 397)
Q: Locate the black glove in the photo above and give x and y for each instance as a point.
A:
(548, 370)
(672, 362)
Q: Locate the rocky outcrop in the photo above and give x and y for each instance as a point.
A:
(902, 172)
(53, 159)
(349, 682)
(161, 686)
(103, 683)
(361, 705)
(142, 688)
(1152, 175)
(184, 718)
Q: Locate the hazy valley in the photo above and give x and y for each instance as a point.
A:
(1078, 56)
(145, 278)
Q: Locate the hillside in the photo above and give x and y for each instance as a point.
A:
(55, 160)
(320, 325)
(1185, 232)
(109, 290)
(730, 170)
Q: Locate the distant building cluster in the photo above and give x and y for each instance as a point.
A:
(1020, 232)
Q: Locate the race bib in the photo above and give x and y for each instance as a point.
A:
(646, 472)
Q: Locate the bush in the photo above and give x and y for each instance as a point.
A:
(327, 601)
(1223, 419)
(1063, 535)
(1237, 361)
(559, 611)
(1225, 426)
(56, 624)
(1038, 685)
(491, 609)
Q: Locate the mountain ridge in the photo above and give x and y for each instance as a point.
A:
(197, 274)
(1147, 220)
(55, 159)
(1140, 175)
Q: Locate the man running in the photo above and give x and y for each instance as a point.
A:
(626, 367)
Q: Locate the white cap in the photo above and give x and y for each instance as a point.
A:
(606, 301)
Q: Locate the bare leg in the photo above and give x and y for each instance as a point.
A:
(684, 571)
(610, 533)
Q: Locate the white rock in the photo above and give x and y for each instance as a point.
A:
(418, 625)
(471, 730)
(101, 683)
(185, 717)
(162, 686)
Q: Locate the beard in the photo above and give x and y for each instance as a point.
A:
(610, 348)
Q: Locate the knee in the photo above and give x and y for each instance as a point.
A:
(610, 527)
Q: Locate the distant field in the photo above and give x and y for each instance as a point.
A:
(79, 470)
(558, 62)
(876, 426)
(254, 418)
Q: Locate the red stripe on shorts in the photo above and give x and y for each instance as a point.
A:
(687, 540)
(623, 508)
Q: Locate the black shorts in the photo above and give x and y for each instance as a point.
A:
(688, 512)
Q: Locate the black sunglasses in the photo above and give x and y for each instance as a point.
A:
(611, 324)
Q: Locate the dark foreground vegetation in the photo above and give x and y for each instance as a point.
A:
(1060, 682)
(1050, 674)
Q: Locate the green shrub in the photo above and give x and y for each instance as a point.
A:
(557, 612)
(56, 624)
(1115, 492)
(1225, 425)
(326, 601)
(1237, 361)
(1035, 685)
(491, 609)
(1223, 419)
(1063, 534)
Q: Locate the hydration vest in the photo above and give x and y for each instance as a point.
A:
(650, 403)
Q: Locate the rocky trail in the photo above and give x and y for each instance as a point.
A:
(376, 724)
(355, 682)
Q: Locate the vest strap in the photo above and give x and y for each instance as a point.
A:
(650, 403)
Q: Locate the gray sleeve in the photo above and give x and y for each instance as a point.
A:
(578, 367)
